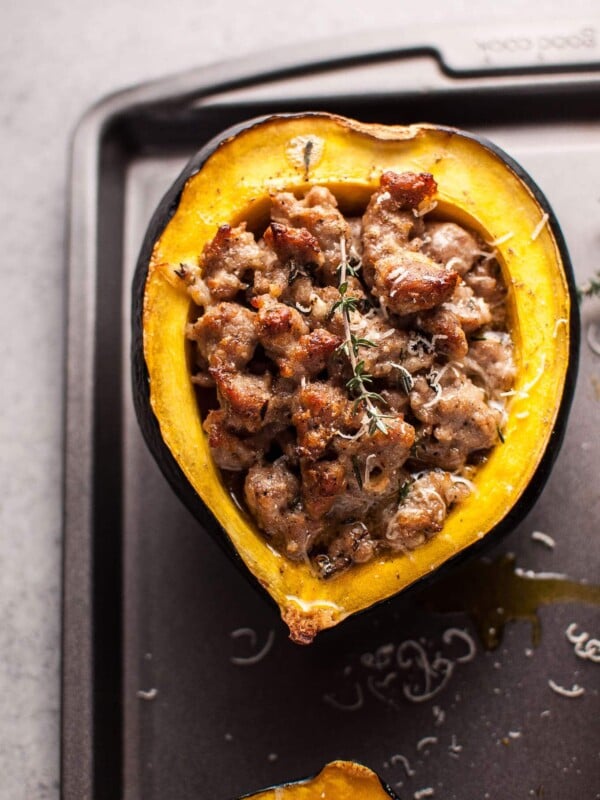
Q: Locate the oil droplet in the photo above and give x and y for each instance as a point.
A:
(493, 593)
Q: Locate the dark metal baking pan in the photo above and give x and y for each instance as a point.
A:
(178, 680)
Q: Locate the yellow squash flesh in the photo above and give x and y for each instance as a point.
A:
(477, 188)
(340, 780)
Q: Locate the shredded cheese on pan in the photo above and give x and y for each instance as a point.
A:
(544, 538)
(574, 691)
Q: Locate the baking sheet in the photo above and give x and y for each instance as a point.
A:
(179, 680)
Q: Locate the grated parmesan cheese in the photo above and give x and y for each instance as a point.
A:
(486, 255)
(353, 436)
(528, 386)
(426, 740)
(437, 397)
(382, 198)
(574, 691)
(369, 466)
(585, 648)
(242, 661)
(339, 706)
(400, 759)
(557, 324)
(147, 695)
(454, 748)
(420, 212)
(501, 239)
(544, 538)
(464, 481)
(539, 227)
(458, 633)
(454, 260)
(397, 274)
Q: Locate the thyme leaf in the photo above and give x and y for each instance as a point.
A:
(406, 378)
(308, 148)
(403, 491)
(357, 473)
(591, 288)
(360, 380)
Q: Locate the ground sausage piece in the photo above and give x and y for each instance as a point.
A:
(272, 493)
(352, 545)
(226, 260)
(459, 414)
(288, 340)
(485, 280)
(322, 482)
(380, 455)
(423, 511)
(318, 213)
(429, 451)
(320, 413)
(279, 326)
(243, 397)
(373, 465)
(403, 278)
(451, 245)
(273, 279)
(315, 303)
(450, 322)
(390, 345)
(409, 190)
(471, 311)
(490, 362)
(445, 326)
(226, 335)
(296, 245)
(229, 451)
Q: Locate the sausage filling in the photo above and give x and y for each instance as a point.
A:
(360, 366)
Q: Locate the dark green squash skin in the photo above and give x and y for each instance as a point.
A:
(173, 473)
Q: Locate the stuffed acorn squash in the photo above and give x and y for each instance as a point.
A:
(339, 780)
(221, 200)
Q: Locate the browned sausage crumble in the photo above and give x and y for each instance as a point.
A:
(360, 367)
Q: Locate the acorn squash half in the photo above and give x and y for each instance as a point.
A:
(479, 186)
(339, 780)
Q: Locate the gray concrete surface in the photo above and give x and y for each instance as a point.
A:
(56, 59)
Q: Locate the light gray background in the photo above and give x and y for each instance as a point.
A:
(58, 57)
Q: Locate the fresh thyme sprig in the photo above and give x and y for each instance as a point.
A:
(351, 346)
(591, 288)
